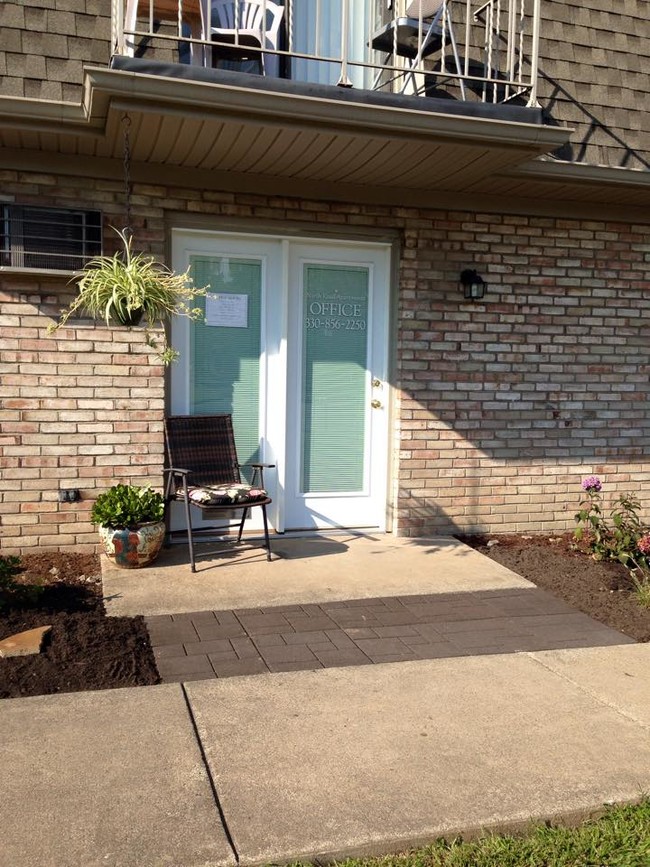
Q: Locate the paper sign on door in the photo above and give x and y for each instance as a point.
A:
(226, 310)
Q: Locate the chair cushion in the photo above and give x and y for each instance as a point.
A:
(225, 495)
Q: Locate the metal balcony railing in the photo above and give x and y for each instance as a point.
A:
(465, 49)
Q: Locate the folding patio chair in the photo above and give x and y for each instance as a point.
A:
(423, 31)
(203, 471)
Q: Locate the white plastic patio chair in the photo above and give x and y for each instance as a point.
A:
(243, 24)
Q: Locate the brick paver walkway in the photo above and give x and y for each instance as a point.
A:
(207, 644)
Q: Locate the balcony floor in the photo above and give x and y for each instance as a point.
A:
(440, 103)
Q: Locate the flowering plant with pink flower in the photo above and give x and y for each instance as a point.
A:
(591, 527)
(624, 537)
(644, 544)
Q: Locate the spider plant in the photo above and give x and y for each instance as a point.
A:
(128, 287)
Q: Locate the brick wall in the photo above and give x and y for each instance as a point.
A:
(82, 408)
(507, 403)
(502, 405)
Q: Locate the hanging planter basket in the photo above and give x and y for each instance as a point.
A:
(127, 288)
(127, 317)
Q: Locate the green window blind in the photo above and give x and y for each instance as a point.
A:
(225, 359)
(334, 379)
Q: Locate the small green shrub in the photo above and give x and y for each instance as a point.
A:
(126, 506)
(642, 590)
(12, 591)
(9, 568)
(624, 538)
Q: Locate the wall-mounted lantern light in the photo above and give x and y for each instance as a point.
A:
(474, 286)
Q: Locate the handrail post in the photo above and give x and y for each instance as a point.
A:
(344, 80)
(533, 102)
(117, 27)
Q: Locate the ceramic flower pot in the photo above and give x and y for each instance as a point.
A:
(131, 549)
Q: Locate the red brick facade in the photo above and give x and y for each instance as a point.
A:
(500, 406)
(507, 403)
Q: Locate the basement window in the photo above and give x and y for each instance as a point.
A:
(50, 239)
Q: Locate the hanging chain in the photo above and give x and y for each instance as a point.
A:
(126, 123)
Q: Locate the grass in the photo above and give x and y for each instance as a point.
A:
(620, 838)
(642, 591)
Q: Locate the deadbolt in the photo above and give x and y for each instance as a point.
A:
(376, 383)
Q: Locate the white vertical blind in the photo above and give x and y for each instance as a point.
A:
(334, 381)
(317, 30)
(225, 360)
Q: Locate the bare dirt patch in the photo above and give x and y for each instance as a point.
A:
(85, 649)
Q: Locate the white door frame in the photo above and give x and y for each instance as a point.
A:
(275, 356)
(376, 260)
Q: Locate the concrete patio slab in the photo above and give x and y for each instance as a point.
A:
(617, 676)
(372, 758)
(312, 569)
(106, 778)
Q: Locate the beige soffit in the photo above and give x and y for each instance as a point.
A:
(298, 110)
(106, 90)
(554, 180)
(242, 132)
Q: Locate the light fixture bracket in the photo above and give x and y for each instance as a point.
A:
(473, 285)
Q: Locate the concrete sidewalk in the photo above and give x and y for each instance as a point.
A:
(386, 756)
(322, 763)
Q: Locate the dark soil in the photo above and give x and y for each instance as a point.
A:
(85, 649)
(602, 590)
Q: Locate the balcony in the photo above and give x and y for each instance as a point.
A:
(460, 50)
(386, 101)
(402, 94)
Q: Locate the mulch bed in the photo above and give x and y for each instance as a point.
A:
(87, 650)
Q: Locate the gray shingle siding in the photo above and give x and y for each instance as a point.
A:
(594, 77)
(43, 46)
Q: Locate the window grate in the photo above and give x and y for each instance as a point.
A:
(62, 239)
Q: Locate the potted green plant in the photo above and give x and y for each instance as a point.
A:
(130, 523)
(129, 287)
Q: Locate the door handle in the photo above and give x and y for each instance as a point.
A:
(375, 404)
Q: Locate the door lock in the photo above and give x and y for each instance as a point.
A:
(376, 383)
(375, 404)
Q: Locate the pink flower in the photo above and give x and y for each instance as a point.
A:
(592, 484)
(644, 544)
